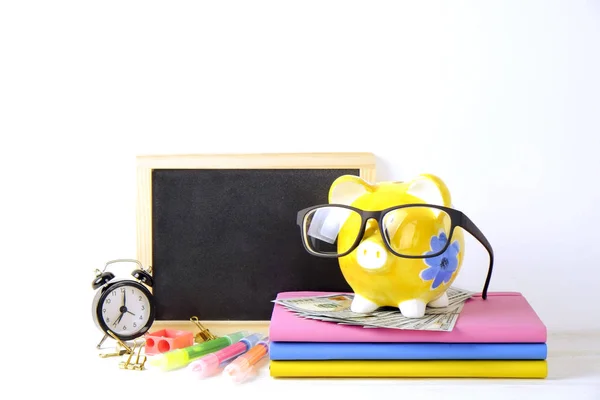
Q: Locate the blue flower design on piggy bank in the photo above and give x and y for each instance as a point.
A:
(442, 266)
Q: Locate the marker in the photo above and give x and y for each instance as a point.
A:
(209, 364)
(242, 367)
(181, 357)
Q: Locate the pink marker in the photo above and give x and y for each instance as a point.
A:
(210, 363)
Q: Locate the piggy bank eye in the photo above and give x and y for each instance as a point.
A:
(390, 225)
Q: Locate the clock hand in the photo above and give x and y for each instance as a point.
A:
(118, 319)
(122, 312)
(131, 313)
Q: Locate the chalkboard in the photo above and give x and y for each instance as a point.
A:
(220, 231)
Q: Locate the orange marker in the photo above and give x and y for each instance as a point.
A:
(243, 366)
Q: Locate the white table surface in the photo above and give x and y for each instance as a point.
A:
(573, 364)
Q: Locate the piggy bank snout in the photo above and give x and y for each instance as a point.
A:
(371, 255)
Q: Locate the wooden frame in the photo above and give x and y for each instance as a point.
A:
(364, 162)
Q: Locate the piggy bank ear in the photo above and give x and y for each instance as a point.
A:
(347, 188)
(431, 189)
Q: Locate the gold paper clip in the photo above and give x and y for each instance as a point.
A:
(137, 365)
(116, 354)
(126, 349)
(204, 333)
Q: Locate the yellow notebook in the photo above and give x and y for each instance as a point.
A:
(410, 369)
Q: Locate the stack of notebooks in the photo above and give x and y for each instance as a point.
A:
(500, 337)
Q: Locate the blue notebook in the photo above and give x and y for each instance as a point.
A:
(406, 351)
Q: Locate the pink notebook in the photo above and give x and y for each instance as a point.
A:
(504, 317)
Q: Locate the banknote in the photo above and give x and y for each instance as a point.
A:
(336, 308)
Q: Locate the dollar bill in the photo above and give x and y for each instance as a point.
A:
(336, 308)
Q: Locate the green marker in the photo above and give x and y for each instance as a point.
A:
(181, 357)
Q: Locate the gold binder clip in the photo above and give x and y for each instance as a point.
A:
(204, 333)
(137, 365)
(125, 349)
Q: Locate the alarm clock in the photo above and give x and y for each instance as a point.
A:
(124, 307)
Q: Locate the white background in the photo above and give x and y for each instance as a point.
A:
(500, 99)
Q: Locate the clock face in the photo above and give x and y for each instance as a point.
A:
(126, 309)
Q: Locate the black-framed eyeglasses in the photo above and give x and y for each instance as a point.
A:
(400, 227)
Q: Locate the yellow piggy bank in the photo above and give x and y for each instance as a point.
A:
(397, 242)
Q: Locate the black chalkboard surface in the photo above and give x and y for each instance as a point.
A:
(224, 241)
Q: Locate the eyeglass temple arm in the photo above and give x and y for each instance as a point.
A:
(470, 227)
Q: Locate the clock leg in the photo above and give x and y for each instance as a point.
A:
(102, 341)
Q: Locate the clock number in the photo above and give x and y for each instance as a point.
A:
(134, 325)
(132, 291)
(140, 316)
(140, 298)
(124, 328)
(143, 308)
(114, 292)
(104, 310)
(122, 290)
(107, 301)
(107, 320)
